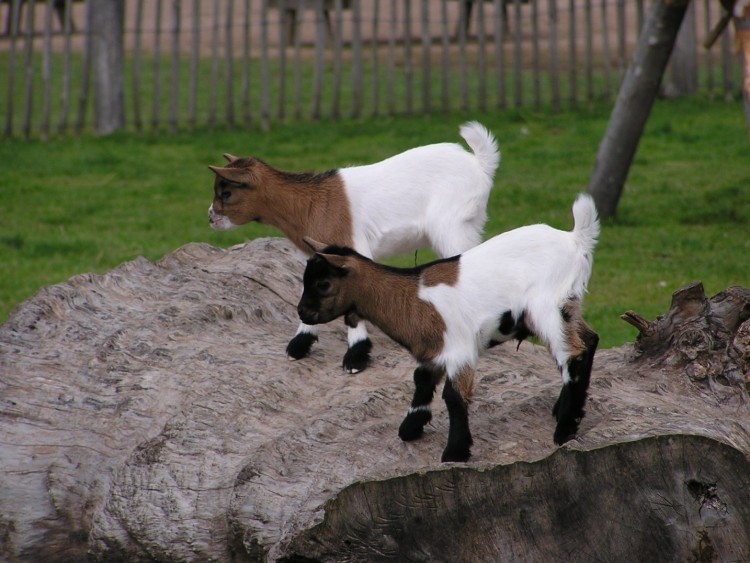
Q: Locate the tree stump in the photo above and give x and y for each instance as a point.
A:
(150, 414)
(708, 340)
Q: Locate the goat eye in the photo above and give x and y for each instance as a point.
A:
(225, 195)
(324, 286)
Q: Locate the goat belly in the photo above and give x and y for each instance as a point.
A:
(398, 240)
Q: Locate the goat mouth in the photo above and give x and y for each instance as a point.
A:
(309, 317)
(220, 222)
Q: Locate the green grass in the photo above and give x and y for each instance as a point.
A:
(86, 205)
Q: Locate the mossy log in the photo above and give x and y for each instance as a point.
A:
(150, 414)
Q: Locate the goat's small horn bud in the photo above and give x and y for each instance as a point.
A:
(230, 157)
(314, 244)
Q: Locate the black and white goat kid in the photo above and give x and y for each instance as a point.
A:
(528, 281)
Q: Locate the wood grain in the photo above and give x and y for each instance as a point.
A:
(151, 414)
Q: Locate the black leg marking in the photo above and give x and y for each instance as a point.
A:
(507, 323)
(419, 414)
(357, 357)
(300, 345)
(513, 328)
(459, 435)
(568, 409)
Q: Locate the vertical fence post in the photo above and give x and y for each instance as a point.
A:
(375, 71)
(572, 55)
(229, 65)
(554, 77)
(15, 8)
(426, 62)
(481, 58)
(65, 90)
(194, 64)
(445, 58)
(501, 24)
(47, 71)
(28, 71)
(320, 42)
(247, 114)
(408, 68)
(106, 27)
(174, 89)
(137, 61)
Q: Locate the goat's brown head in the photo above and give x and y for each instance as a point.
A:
(237, 193)
(327, 288)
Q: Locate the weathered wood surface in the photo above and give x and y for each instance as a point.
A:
(151, 414)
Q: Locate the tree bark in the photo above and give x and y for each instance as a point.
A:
(150, 414)
(634, 102)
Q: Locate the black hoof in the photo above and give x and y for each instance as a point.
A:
(358, 356)
(565, 433)
(413, 425)
(300, 345)
(456, 455)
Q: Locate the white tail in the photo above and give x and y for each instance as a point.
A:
(483, 145)
(586, 228)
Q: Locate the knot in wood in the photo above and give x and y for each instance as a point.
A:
(692, 343)
(741, 344)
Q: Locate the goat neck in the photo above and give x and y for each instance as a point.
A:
(389, 298)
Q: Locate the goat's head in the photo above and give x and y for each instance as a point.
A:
(328, 279)
(238, 191)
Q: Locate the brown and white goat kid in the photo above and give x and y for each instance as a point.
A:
(529, 281)
(431, 196)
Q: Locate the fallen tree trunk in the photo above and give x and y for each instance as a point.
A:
(151, 414)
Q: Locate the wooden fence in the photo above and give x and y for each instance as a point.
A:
(171, 64)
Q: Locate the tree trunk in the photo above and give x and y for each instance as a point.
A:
(634, 102)
(150, 414)
(106, 26)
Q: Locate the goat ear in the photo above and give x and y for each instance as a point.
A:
(234, 175)
(314, 244)
(230, 157)
(338, 261)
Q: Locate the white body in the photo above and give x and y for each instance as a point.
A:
(534, 269)
(427, 197)
(433, 196)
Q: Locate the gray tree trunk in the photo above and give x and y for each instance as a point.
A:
(150, 414)
(106, 26)
(634, 102)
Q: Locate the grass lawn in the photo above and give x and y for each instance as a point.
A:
(88, 204)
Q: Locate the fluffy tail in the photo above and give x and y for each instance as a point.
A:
(586, 227)
(483, 144)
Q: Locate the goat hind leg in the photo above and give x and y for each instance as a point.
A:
(457, 394)
(568, 409)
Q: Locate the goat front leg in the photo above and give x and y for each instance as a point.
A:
(568, 409)
(457, 393)
(425, 380)
(300, 345)
(357, 356)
